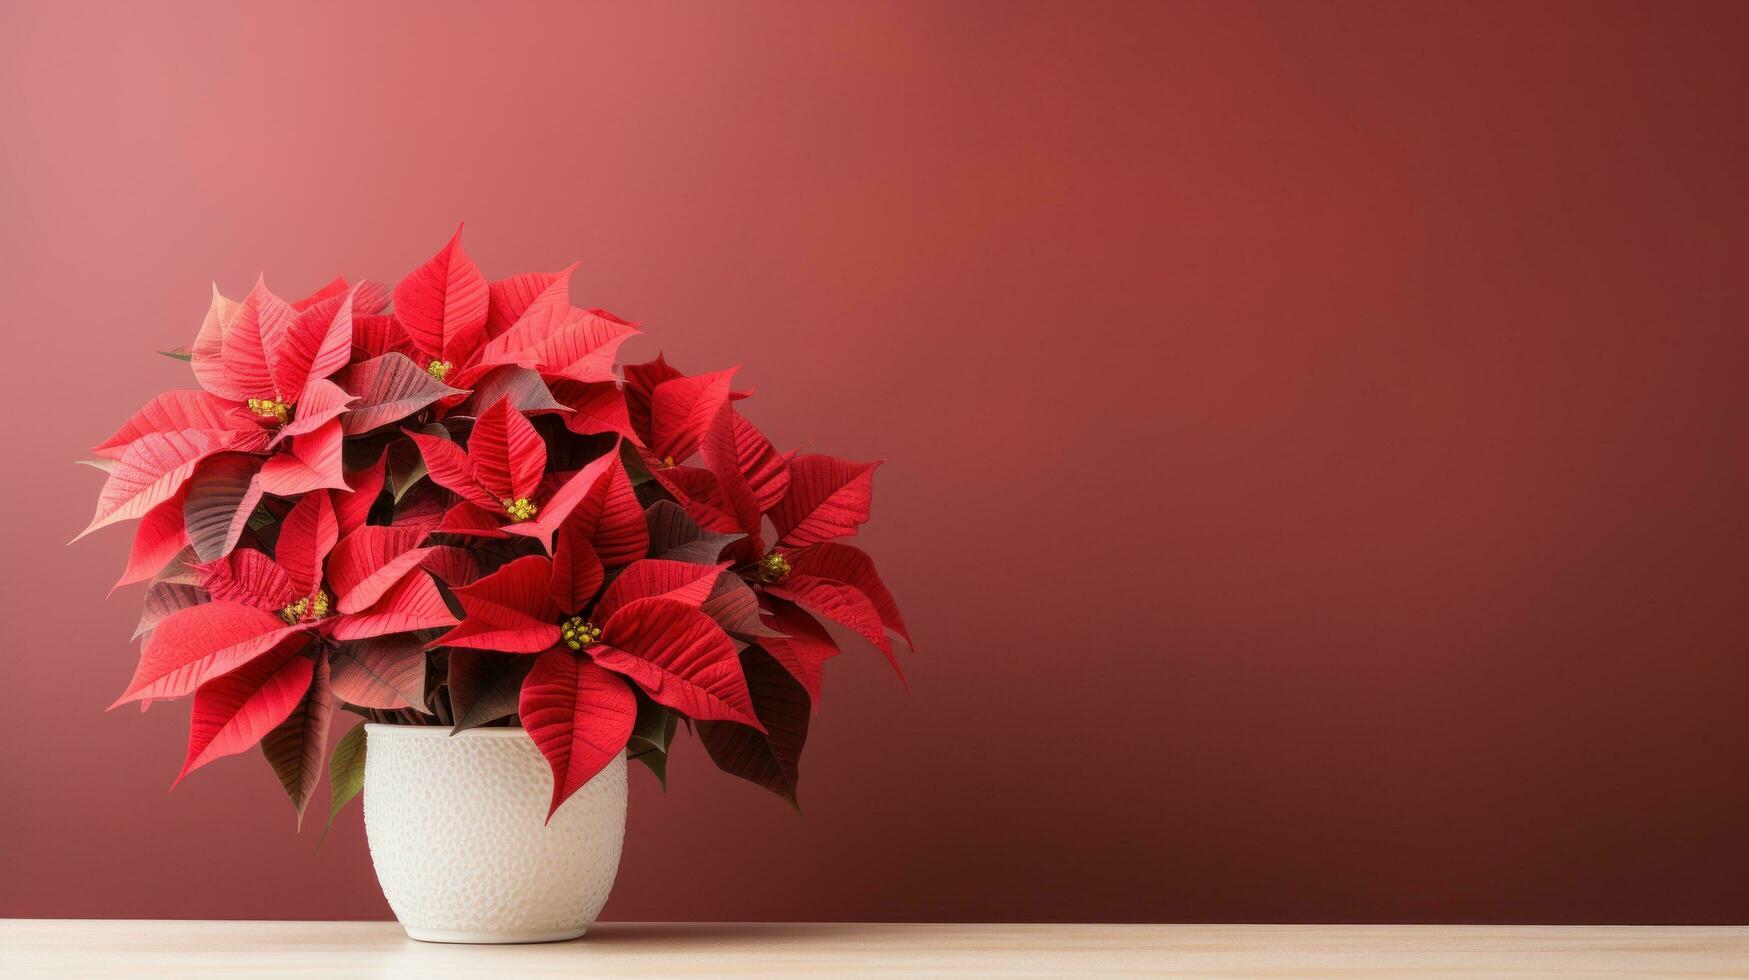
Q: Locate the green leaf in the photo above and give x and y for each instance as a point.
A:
(345, 773)
(106, 465)
(657, 760)
(407, 463)
(180, 354)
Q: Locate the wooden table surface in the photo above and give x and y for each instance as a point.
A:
(94, 947)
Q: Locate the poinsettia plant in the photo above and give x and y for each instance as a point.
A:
(443, 504)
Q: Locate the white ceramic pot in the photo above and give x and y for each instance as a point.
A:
(458, 832)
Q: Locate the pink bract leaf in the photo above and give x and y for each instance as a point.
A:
(828, 498)
(442, 304)
(385, 672)
(178, 411)
(313, 345)
(772, 758)
(853, 567)
(314, 463)
(411, 604)
(297, 747)
(683, 582)
(843, 604)
(505, 453)
(334, 289)
(576, 570)
(510, 610)
(371, 559)
(389, 388)
(449, 468)
(197, 644)
(154, 467)
(611, 519)
(234, 712)
(579, 717)
(218, 502)
(682, 410)
(323, 400)
(804, 647)
(252, 578)
(206, 353)
(161, 535)
(261, 320)
(306, 536)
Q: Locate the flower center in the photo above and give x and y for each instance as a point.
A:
(308, 609)
(578, 634)
(774, 567)
(270, 408)
(438, 369)
(520, 509)
(668, 461)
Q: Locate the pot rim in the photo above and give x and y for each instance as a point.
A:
(372, 727)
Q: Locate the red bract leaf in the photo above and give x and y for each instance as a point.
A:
(611, 519)
(160, 536)
(505, 453)
(297, 747)
(696, 490)
(351, 510)
(195, 645)
(595, 408)
(576, 570)
(682, 410)
(507, 299)
(233, 712)
(314, 463)
(843, 604)
(154, 467)
(510, 610)
(310, 348)
(772, 758)
(452, 566)
(177, 411)
(579, 717)
(722, 458)
(218, 502)
(322, 402)
(411, 604)
(804, 647)
(385, 672)
(679, 657)
(260, 320)
(371, 559)
(641, 382)
(389, 388)
(828, 498)
(681, 581)
(252, 578)
(442, 304)
(562, 502)
(736, 451)
(853, 567)
(557, 338)
(307, 534)
(448, 467)
(374, 336)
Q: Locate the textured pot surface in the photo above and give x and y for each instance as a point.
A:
(458, 833)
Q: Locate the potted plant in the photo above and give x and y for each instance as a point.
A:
(439, 506)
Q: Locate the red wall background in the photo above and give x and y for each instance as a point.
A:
(1316, 431)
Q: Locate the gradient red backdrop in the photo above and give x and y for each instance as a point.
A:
(1316, 431)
